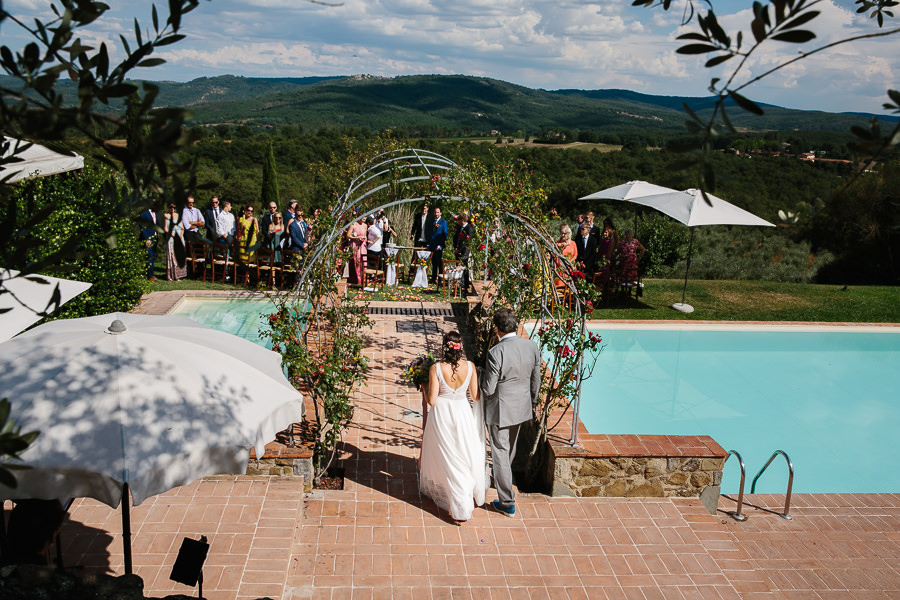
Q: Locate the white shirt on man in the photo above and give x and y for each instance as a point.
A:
(374, 237)
(225, 224)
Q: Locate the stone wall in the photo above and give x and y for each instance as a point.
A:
(625, 476)
(283, 466)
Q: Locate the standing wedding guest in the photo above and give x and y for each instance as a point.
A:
(421, 228)
(462, 249)
(268, 219)
(373, 244)
(297, 231)
(248, 235)
(288, 215)
(382, 222)
(192, 221)
(274, 235)
(587, 250)
(436, 244)
(579, 221)
(567, 248)
(631, 251)
(611, 236)
(225, 224)
(356, 237)
(176, 267)
(452, 464)
(511, 386)
(589, 219)
(149, 221)
(210, 216)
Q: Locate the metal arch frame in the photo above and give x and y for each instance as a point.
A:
(386, 163)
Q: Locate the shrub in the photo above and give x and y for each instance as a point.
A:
(81, 210)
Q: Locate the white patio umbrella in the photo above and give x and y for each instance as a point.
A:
(136, 405)
(34, 160)
(688, 207)
(27, 299)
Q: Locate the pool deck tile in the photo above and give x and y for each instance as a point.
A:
(378, 538)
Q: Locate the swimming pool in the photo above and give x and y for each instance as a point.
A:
(828, 396)
(239, 316)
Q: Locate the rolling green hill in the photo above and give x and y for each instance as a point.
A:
(456, 105)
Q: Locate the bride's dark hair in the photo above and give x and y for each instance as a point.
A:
(452, 349)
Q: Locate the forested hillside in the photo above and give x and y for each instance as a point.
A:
(844, 236)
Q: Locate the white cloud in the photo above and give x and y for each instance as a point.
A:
(538, 43)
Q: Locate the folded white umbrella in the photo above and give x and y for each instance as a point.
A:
(27, 299)
(139, 403)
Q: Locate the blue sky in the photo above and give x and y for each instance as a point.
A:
(548, 44)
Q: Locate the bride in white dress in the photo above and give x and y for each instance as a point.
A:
(452, 468)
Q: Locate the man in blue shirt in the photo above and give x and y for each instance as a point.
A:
(436, 245)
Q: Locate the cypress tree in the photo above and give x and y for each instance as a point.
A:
(269, 179)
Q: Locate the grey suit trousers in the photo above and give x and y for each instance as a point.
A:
(503, 449)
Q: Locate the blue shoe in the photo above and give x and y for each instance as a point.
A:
(509, 511)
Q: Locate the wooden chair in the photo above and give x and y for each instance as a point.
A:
(221, 259)
(447, 276)
(196, 258)
(287, 267)
(265, 266)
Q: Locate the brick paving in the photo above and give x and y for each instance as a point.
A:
(377, 538)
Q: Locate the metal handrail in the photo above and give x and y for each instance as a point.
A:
(787, 499)
(738, 515)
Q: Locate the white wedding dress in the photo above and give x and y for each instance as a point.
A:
(452, 470)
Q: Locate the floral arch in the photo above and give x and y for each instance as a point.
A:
(511, 245)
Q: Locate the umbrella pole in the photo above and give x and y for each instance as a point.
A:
(688, 266)
(126, 527)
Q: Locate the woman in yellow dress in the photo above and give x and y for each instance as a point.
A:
(247, 233)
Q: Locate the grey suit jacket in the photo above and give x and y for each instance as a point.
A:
(511, 383)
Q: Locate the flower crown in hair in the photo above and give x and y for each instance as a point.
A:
(454, 346)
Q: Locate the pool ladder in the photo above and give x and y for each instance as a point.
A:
(737, 515)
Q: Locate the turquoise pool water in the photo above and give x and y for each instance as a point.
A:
(829, 397)
(239, 316)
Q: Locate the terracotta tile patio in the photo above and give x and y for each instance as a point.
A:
(378, 538)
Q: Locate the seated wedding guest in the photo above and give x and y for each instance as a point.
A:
(373, 244)
(176, 267)
(192, 221)
(268, 218)
(210, 216)
(587, 250)
(225, 224)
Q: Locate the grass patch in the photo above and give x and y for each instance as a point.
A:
(712, 300)
(761, 301)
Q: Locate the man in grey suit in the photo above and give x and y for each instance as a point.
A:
(511, 385)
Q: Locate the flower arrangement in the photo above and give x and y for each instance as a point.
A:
(416, 373)
(422, 262)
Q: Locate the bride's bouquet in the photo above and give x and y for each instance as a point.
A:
(416, 373)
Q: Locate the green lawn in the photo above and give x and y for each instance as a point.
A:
(761, 301)
(712, 300)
